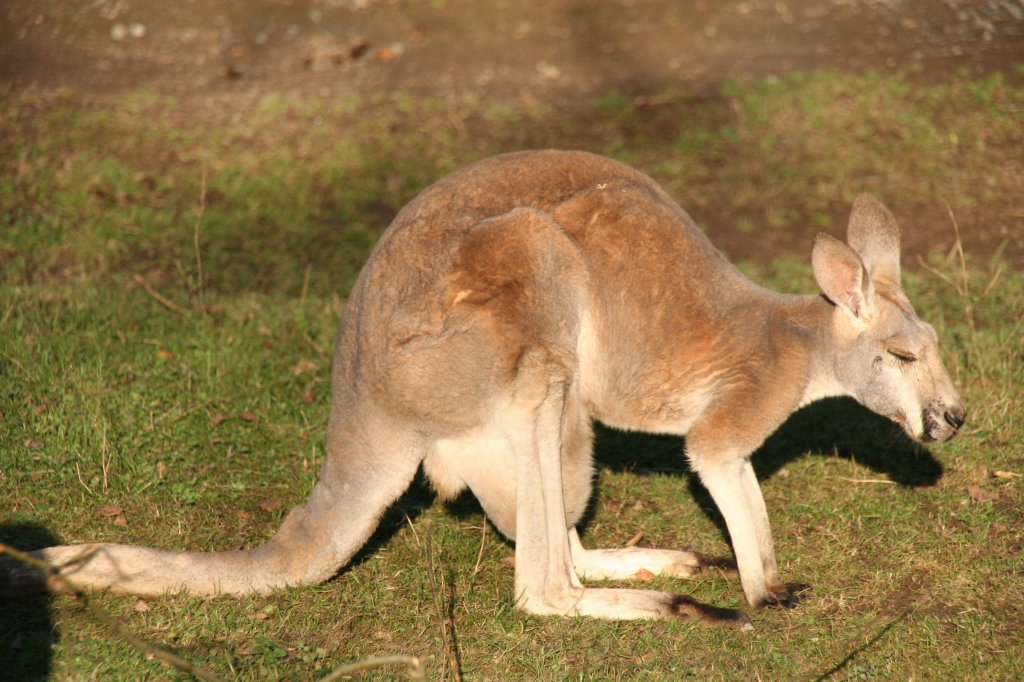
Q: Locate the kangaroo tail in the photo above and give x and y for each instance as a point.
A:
(314, 542)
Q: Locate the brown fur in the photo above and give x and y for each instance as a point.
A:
(515, 301)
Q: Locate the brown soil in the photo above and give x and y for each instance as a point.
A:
(230, 51)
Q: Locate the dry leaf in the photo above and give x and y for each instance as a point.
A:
(980, 495)
(358, 48)
(164, 354)
(247, 416)
(121, 521)
(244, 515)
(303, 366)
(270, 505)
(141, 606)
(997, 473)
(109, 510)
(218, 419)
(644, 575)
(263, 330)
(161, 469)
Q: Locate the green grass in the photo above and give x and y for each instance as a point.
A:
(197, 421)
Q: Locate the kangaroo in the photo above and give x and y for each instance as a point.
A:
(518, 299)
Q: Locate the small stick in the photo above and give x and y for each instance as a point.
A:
(480, 554)
(161, 299)
(79, 470)
(866, 480)
(416, 669)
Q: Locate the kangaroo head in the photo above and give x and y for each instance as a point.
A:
(884, 356)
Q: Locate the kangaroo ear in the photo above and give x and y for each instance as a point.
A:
(874, 234)
(841, 275)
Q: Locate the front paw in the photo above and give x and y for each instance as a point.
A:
(787, 596)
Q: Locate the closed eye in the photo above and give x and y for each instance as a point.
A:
(904, 357)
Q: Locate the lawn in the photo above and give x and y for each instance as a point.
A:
(170, 284)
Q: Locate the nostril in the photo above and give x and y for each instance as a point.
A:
(955, 418)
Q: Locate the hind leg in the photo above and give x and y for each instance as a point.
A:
(622, 563)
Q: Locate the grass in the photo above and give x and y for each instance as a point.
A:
(197, 425)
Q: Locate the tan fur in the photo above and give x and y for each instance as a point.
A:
(515, 301)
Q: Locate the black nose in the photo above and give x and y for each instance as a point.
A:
(956, 417)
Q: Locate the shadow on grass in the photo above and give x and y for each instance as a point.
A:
(27, 635)
(837, 427)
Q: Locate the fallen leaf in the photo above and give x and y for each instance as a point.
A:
(638, 505)
(635, 539)
(644, 575)
(218, 419)
(164, 354)
(244, 515)
(141, 606)
(270, 505)
(997, 473)
(161, 469)
(247, 416)
(980, 495)
(263, 330)
(358, 48)
(109, 510)
(303, 366)
(121, 521)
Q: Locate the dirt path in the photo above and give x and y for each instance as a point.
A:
(504, 51)
(501, 50)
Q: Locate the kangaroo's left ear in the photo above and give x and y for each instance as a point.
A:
(873, 233)
(842, 276)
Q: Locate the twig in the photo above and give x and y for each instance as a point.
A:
(200, 284)
(440, 593)
(958, 248)
(160, 298)
(79, 470)
(415, 535)
(106, 458)
(416, 669)
(480, 554)
(866, 480)
(168, 657)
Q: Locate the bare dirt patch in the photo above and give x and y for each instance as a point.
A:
(222, 56)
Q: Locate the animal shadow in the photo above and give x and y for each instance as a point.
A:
(27, 634)
(836, 427)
